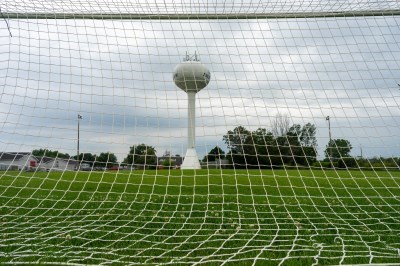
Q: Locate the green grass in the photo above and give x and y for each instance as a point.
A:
(208, 217)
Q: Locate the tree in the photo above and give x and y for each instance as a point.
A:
(337, 149)
(166, 160)
(280, 126)
(308, 135)
(242, 149)
(142, 156)
(257, 149)
(106, 159)
(87, 158)
(50, 153)
(289, 149)
(235, 139)
(264, 149)
(215, 154)
(167, 163)
(305, 134)
(306, 153)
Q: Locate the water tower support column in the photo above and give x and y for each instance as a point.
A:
(191, 119)
(191, 160)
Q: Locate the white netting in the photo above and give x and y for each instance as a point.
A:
(297, 133)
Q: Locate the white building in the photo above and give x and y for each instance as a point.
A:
(56, 164)
(217, 164)
(26, 161)
(17, 161)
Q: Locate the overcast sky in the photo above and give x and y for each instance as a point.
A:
(118, 76)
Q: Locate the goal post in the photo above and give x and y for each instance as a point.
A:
(196, 16)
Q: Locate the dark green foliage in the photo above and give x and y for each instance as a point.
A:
(167, 163)
(347, 162)
(50, 153)
(261, 149)
(106, 159)
(379, 163)
(337, 149)
(87, 158)
(141, 156)
(306, 134)
(215, 154)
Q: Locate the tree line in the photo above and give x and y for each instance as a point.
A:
(247, 149)
(281, 146)
(140, 156)
(104, 159)
(285, 145)
(294, 146)
(267, 149)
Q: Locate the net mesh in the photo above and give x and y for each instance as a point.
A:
(297, 133)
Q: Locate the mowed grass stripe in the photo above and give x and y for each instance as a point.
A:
(207, 216)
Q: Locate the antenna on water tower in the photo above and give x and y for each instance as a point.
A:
(191, 76)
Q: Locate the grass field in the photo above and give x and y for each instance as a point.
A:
(209, 217)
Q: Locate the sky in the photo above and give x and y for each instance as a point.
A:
(117, 74)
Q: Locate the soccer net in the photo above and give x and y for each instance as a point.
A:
(200, 132)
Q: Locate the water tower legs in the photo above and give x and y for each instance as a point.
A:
(191, 160)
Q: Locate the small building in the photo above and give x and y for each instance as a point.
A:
(17, 161)
(173, 161)
(57, 164)
(217, 164)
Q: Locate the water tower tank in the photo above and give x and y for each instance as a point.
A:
(191, 76)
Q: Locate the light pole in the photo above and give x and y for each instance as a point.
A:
(77, 152)
(329, 127)
(330, 137)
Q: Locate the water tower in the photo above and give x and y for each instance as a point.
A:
(191, 76)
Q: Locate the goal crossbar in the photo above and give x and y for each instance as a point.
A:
(187, 16)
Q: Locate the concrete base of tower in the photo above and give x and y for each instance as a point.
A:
(191, 160)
